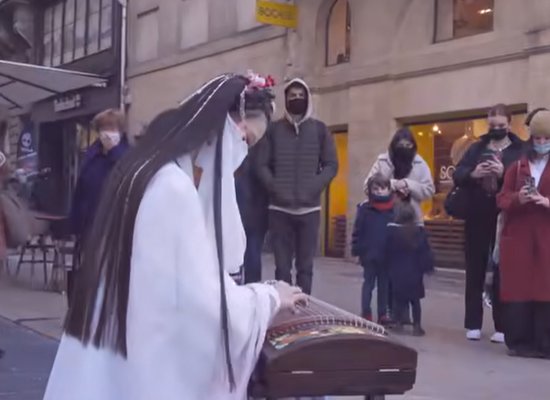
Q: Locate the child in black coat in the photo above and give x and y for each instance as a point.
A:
(369, 236)
(409, 257)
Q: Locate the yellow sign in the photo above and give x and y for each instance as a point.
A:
(271, 13)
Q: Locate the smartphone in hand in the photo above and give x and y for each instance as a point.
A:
(530, 184)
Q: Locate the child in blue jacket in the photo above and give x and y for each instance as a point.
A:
(369, 236)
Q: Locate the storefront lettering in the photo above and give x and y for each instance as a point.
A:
(446, 173)
(67, 103)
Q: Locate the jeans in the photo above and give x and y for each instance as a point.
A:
(375, 275)
(253, 255)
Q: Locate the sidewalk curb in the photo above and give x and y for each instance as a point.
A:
(28, 328)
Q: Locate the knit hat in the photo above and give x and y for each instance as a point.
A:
(540, 124)
(2, 159)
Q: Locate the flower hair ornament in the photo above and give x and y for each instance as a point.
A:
(257, 82)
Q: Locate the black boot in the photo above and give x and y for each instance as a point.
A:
(417, 330)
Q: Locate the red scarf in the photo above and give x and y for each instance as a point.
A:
(383, 206)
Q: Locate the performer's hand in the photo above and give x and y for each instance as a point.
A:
(290, 296)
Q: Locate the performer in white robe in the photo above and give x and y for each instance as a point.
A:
(156, 314)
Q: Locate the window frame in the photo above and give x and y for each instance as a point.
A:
(347, 38)
(47, 59)
(437, 26)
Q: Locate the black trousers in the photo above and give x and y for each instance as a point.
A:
(294, 236)
(479, 240)
(528, 327)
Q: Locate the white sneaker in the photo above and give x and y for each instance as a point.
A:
(498, 337)
(474, 334)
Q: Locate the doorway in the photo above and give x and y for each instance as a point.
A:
(61, 145)
(336, 202)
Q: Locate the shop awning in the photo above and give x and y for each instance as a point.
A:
(24, 84)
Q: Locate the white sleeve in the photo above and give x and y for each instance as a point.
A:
(422, 187)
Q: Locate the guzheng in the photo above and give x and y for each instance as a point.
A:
(323, 350)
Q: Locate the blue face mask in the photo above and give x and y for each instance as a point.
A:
(542, 149)
(382, 199)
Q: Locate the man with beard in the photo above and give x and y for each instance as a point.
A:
(410, 177)
(297, 162)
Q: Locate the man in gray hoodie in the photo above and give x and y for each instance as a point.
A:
(296, 163)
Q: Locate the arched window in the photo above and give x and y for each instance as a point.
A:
(338, 40)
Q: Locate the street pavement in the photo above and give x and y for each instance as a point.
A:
(450, 368)
(25, 367)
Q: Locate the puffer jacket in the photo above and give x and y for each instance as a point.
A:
(298, 160)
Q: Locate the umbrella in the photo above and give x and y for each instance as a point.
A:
(24, 84)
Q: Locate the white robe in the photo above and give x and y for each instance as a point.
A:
(174, 336)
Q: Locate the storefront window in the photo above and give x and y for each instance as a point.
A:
(76, 28)
(338, 40)
(443, 144)
(57, 34)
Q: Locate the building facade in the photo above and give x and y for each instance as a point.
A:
(84, 36)
(435, 65)
(16, 44)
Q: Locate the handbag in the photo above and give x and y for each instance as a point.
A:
(457, 203)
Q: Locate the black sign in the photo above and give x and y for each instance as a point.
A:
(67, 103)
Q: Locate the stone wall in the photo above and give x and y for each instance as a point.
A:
(400, 69)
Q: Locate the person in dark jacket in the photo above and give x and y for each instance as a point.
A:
(296, 163)
(409, 257)
(97, 163)
(369, 237)
(480, 172)
(253, 204)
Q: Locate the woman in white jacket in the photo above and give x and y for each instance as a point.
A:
(410, 176)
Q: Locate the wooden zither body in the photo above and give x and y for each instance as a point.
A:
(325, 351)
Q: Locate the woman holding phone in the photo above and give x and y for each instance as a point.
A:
(524, 259)
(480, 173)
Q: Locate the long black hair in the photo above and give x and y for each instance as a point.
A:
(104, 261)
(402, 163)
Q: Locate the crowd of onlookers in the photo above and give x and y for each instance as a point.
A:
(502, 191)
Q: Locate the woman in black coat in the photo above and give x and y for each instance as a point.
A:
(480, 173)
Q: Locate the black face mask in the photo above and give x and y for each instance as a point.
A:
(404, 154)
(297, 106)
(497, 134)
